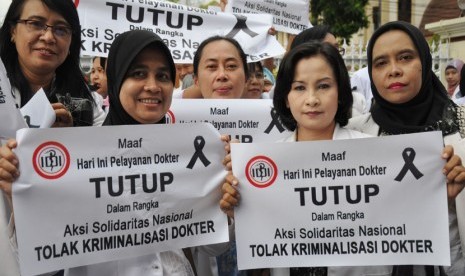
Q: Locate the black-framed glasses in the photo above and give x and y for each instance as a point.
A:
(32, 25)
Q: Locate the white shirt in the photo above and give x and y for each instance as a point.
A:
(360, 83)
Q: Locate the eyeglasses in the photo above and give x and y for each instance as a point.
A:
(342, 51)
(39, 26)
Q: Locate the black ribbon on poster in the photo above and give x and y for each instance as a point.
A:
(408, 155)
(27, 118)
(241, 25)
(274, 122)
(199, 144)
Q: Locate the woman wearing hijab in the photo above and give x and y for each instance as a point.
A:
(141, 75)
(124, 65)
(452, 73)
(269, 80)
(409, 98)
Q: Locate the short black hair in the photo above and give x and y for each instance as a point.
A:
(199, 52)
(317, 32)
(286, 76)
(103, 61)
(252, 66)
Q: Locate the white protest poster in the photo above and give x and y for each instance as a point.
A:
(10, 114)
(289, 16)
(95, 194)
(182, 28)
(247, 120)
(370, 201)
(38, 112)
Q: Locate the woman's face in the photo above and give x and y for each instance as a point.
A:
(396, 67)
(147, 88)
(267, 85)
(98, 78)
(220, 73)
(452, 76)
(255, 84)
(313, 98)
(40, 52)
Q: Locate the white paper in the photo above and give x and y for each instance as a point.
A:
(246, 120)
(367, 216)
(78, 185)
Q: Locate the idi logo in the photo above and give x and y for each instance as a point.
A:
(51, 160)
(261, 171)
(170, 118)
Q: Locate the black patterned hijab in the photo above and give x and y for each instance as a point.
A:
(123, 51)
(431, 109)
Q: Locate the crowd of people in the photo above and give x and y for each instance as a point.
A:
(312, 94)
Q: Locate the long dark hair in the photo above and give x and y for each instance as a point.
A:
(69, 78)
(286, 74)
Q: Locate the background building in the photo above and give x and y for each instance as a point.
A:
(439, 21)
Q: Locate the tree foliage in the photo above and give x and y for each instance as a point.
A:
(211, 3)
(345, 17)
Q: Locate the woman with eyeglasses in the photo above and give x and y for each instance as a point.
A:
(40, 42)
(39, 45)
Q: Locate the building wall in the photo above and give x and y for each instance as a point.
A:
(457, 50)
(418, 9)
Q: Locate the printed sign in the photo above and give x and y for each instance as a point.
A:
(370, 201)
(182, 28)
(37, 113)
(245, 120)
(290, 16)
(122, 192)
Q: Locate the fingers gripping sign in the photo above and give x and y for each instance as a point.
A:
(454, 172)
(8, 167)
(63, 116)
